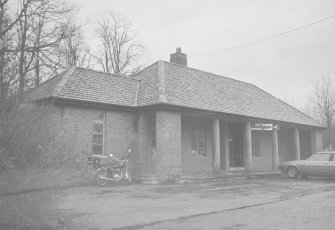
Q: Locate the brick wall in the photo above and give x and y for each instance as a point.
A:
(74, 126)
(168, 128)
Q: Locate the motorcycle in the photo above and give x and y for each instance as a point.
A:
(114, 171)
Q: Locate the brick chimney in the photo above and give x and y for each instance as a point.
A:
(178, 57)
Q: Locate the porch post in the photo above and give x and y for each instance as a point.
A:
(248, 146)
(296, 144)
(142, 143)
(226, 144)
(275, 156)
(168, 143)
(216, 139)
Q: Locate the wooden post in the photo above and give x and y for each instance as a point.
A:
(226, 145)
(275, 156)
(248, 146)
(296, 144)
(216, 140)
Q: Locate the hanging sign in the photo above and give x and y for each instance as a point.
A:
(261, 126)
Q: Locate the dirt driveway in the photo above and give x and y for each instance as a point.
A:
(144, 206)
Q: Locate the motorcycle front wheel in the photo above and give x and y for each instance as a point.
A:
(98, 178)
(127, 176)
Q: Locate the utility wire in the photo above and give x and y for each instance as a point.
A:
(271, 19)
(266, 38)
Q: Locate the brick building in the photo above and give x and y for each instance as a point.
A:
(177, 119)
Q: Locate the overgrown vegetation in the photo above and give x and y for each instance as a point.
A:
(38, 39)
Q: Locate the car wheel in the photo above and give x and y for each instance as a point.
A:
(292, 172)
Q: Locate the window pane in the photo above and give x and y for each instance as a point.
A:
(98, 128)
(198, 139)
(202, 140)
(98, 139)
(321, 157)
(194, 142)
(97, 149)
(202, 147)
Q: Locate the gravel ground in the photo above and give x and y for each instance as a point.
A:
(243, 202)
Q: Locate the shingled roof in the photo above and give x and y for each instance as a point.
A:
(171, 84)
(88, 85)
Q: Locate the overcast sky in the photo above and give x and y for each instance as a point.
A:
(284, 66)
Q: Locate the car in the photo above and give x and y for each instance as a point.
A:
(319, 164)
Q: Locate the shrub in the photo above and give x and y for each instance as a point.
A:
(27, 133)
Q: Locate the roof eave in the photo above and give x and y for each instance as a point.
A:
(163, 105)
(223, 114)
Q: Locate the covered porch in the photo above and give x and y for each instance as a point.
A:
(181, 143)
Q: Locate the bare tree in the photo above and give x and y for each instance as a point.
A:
(73, 49)
(41, 28)
(323, 100)
(119, 50)
(7, 27)
(7, 59)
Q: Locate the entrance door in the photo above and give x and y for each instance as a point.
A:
(236, 140)
(305, 144)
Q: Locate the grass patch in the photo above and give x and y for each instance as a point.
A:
(29, 179)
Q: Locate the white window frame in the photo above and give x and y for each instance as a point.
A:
(200, 129)
(103, 135)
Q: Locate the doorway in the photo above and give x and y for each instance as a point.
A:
(305, 144)
(236, 145)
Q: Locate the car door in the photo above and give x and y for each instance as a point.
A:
(318, 164)
(332, 165)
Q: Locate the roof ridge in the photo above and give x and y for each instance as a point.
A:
(57, 75)
(161, 82)
(149, 66)
(112, 74)
(63, 81)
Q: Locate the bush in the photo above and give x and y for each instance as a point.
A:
(27, 132)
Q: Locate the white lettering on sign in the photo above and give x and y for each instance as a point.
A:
(261, 126)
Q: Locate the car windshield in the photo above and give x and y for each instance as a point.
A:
(320, 157)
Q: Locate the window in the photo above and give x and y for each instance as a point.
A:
(198, 139)
(98, 137)
(256, 144)
(321, 157)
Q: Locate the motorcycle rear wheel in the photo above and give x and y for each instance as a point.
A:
(99, 180)
(127, 176)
